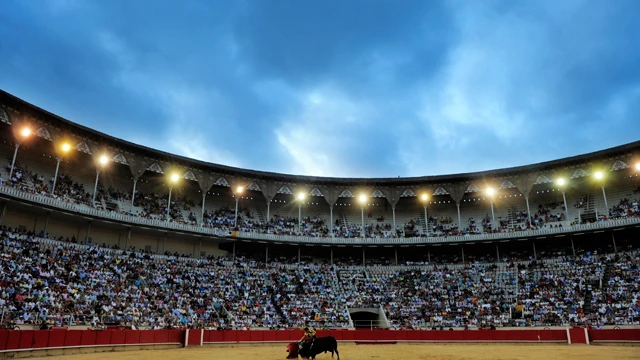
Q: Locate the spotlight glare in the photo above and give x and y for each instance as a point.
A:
(25, 132)
(491, 191)
(104, 159)
(66, 147)
(425, 197)
(560, 181)
(175, 177)
(301, 196)
(599, 175)
(362, 199)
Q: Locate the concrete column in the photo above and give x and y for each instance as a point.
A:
(566, 206)
(3, 210)
(613, 237)
(268, 211)
(133, 193)
(46, 223)
(573, 249)
(164, 244)
(331, 249)
(395, 250)
(459, 218)
(266, 255)
(497, 253)
(126, 242)
(204, 197)
(298, 254)
(526, 198)
(393, 209)
(86, 239)
(535, 255)
(331, 220)
(462, 248)
(364, 261)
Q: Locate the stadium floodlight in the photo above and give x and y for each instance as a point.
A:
(65, 147)
(362, 199)
(638, 166)
(239, 190)
(425, 198)
(561, 181)
(301, 196)
(24, 133)
(172, 180)
(491, 191)
(103, 160)
(598, 175)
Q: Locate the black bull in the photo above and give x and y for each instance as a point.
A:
(309, 350)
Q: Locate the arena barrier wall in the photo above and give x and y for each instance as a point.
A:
(27, 340)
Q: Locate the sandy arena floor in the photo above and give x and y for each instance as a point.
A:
(382, 352)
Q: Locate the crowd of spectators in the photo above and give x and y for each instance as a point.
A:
(63, 283)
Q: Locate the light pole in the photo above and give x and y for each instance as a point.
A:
(301, 198)
(172, 180)
(25, 133)
(363, 200)
(600, 176)
(65, 149)
(238, 192)
(425, 198)
(102, 161)
(562, 182)
(491, 192)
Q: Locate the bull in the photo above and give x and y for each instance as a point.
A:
(310, 349)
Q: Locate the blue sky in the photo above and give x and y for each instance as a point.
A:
(335, 88)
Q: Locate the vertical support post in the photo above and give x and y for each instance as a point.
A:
(331, 220)
(86, 239)
(169, 204)
(55, 177)
(204, 198)
(526, 198)
(364, 234)
(164, 244)
(235, 218)
(4, 209)
(426, 220)
(35, 223)
(462, 248)
(497, 253)
(268, 211)
(200, 250)
(459, 218)
(234, 252)
(266, 255)
(126, 242)
(364, 262)
(493, 217)
(300, 217)
(535, 254)
(573, 249)
(613, 237)
(157, 245)
(606, 205)
(133, 193)
(298, 254)
(393, 209)
(395, 250)
(46, 223)
(429, 256)
(95, 187)
(13, 162)
(331, 249)
(566, 206)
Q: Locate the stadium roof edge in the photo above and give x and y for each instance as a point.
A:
(219, 168)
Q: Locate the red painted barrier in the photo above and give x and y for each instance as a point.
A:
(13, 340)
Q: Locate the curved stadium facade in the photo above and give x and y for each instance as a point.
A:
(70, 183)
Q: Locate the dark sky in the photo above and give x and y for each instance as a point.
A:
(335, 88)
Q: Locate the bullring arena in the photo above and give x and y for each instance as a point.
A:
(113, 250)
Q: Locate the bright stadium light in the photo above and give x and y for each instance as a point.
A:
(175, 177)
(425, 197)
(561, 181)
(239, 190)
(66, 147)
(362, 199)
(598, 175)
(172, 180)
(638, 166)
(301, 196)
(25, 134)
(491, 191)
(104, 160)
